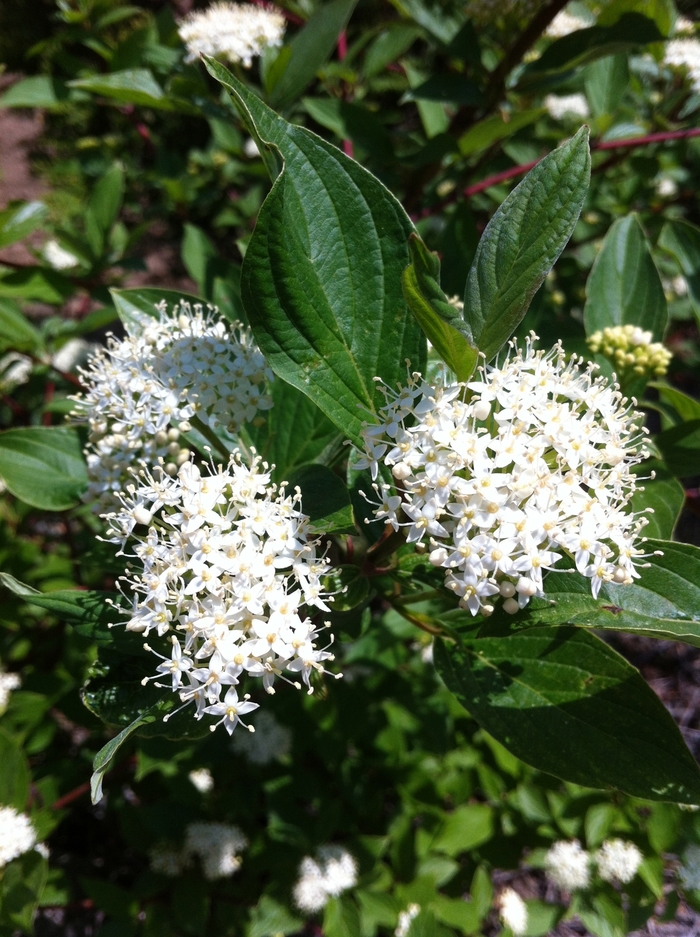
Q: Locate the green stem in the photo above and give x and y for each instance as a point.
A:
(418, 620)
(418, 597)
(210, 436)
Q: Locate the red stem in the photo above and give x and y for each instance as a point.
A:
(49, 391)
(71, 796)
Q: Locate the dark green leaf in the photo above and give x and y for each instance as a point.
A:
(522, 241)
(490, 130)
(106, 754)
(14, 776)
(353, 122)
(450, 88)
(680, 448)
(16, 331)
(686, 407)
(606, 83)
(35, 284)
(36, 91)
(130, 86)
(321, 278)
(564, 702)
(665, 495)
(310, 48)
(43, 466)
(389, 46)
(19, 219)
(218, 280)
(465, 828)
(341, 918)
(20, 890)
(268, 918)
(682, 240)
(132, 305)
(435, 18)
(349, 587)
(324, 499)
(103, 208)
(624, 287)
(441, 322)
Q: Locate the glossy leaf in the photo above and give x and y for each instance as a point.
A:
(490, 130)
(624, 287)
(310, 48)
(19, 219)
(682, 240)
(132, 305)
(441, 322)
(105, 756)
(680, 448)
(14, 776)
(321, 279)
(686, 407)
(324, 499)
(664, 494)
(35, 284)
(564, 702)
(16, 331)
(36, 91)
(521, 243)
(130, 86)
(353, 122)
(606, 83)
(43, 466)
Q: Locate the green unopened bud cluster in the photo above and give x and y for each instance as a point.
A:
(631, 351)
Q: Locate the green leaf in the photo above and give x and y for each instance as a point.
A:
(388, 47)
(624, 287)
(36, 91)
(606, 83)
(321, 280)
(43, 466)
(16, 331)
(310, 48)
(686, 407)
(324, 499)
(522, 241)
(105, 756)
(441, 322)
(19, 219)
(564, 702)
(664, 494)
(90, 613)
(218, 280)
(130, 86)
(490, 130)
(295, 432)
(433, 17)
(680, 448)
(15, 776)
(349, 586)
(450, 88)
(353, 122)
(103, 208)
(20, 891)
(466, 828)
(268, 919)
(433, 114)
(341, 918)
(682, 240)
(35, 284)
(132, 305)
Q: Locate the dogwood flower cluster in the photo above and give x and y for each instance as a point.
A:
(618, 861)
(216, 845)
(236, 32)
(631, 351)
(333, 871)
(270, 741)
(534, 464)
(560, 106)
(17, 835)
(141, 391)
(8, 682)
(227, 567)
(406, 918)
(513, 911)
(568, 865)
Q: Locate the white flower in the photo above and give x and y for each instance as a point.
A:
(513, 911)
(535, 463)
(17, 835)
(234, 31)
(142, 389)
(666, 187)
(269, 742)
(166, 860)
(689, 871)
(217, 845)
(329, 875)
(15, 369)
(8, 683)
(72, 353)
(565, 23)
(250, 148)
(58, 257)
(406, 918)
(227, 571)
(685, 53)
(566, 105)
(618, 861)
(568, 865)
(202, 780)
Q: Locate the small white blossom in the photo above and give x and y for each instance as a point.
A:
(268, 743)
(406, 918)
(666, 187)
(236, 32)
(689, 870)
(568, 865)
(71, 354)
(17, 835)
(332, 872)
(618, 861)
(513, 911)
(58, 257)
(8, 683)
(566, 105)
(565, 23)
(536, 462)
(250, 148)
(15, 369)
(685, 53)
(202, 780)
(217, 845)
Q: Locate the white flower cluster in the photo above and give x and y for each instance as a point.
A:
(234, 31)
(631, 350)
(568, 865)
(58, 257)
(513, 911)
(227, 568)
(565, 23)
(15, 369)
(142, 389)
(560, 106)
(8, 683)
(406, 918)
(332, 872)
(268, 743)
(685, 53)
(202, 779)
(17, 835)
(536, 462)
(217, 846)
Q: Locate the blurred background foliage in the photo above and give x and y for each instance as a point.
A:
(147, 177)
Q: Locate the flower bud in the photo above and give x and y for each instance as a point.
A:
(526, 586)
(481, 409)
(510, 606)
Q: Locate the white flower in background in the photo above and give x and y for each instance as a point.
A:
(332, 872)
(689, 870)
(618, 861)
(666, 187)
(268, 743)
(8, 683)
(685, 53)
(227, 569)
(631, 350)
(250, 148)
(236, 32)
(73, 353)
(406, 918)
(15, 369)
(217, 846)
(513, 911)
(17, 835)
(202, 780)
(568, 865)
(535, 463)
(165, 860)
(565, 23)
(58, 257)
(566, 105)
(143, 388)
